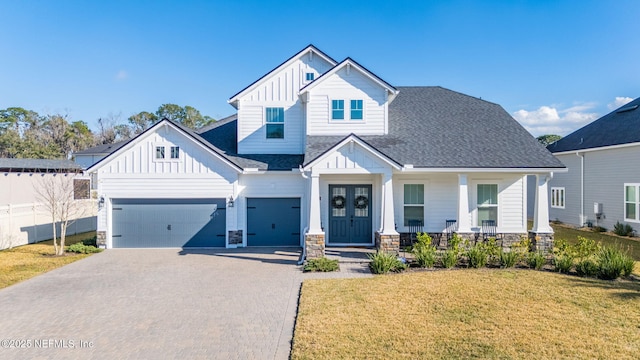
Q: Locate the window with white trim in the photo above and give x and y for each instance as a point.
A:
(159, 152)
(309, 76)
(632, 202)
(175, 152)
(557, 197)
(487, 202)
(413, 204)
(275, 122)
(337, 109)
(356, 110)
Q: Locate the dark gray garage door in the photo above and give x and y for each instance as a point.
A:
(144, 223)
(273, 222)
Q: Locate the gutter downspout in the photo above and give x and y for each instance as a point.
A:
(304, 247)
(582, 219)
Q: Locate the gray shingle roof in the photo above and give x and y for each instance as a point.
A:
(38, 165)
(102, 149)
(440, 128)
(621, 126)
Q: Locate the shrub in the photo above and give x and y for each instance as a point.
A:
(622, 229)
(493, 250)
(598, 229)
(585, 248)
(90, 241)
(478, 255)
(563, 263)
(424, 252)
(509, 259)
(449, 258)
(382, 263)
(586, 267)
(81, 248)
(627, 265)
(321, 264)
(536, 260)
(610, 263)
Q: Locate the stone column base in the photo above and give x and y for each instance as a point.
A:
(314, 245)
(388, 243)
(541, 241)
(101, 239)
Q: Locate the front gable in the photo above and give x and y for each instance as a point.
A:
(167, 150)
(352, 155)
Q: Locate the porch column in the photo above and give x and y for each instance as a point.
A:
(315, 226)
(541, 212)
(541, 235)
(314, 238)
(388, 239)
(464, 224)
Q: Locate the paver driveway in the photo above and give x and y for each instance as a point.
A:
(156, 304)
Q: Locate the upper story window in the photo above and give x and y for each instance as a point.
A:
(337, 109)
(557, 197)
(159, 152)
(632, 202)
(487, 202)
(175, 152)
(309, 76)
(275, 123)
(356, 109)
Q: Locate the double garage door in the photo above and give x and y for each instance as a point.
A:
(157, 223)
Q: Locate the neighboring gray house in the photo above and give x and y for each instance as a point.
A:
(23, 219)
(321, 153)
(603, 182)
(86, 158)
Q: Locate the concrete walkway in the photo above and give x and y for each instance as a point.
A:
(158, 304)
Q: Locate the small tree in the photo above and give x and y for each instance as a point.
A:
(56, 192)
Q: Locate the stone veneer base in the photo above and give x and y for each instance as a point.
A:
(388, 243)
(314, 245)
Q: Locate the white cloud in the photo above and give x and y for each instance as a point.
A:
(555, 120)
(619, 101)
(122, 75)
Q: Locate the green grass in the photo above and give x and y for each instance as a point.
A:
(571, 235)
(26, 261)
(468, 314)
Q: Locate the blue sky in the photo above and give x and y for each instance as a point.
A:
(553, 65)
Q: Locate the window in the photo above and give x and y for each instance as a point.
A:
(557, 197)
(632, 202)
(356, 109)
(309, 76)
(159, 152)
(275, 123)
(413, 203)
(175, 152)
(487, 202)
(81, 189)
(337, 109)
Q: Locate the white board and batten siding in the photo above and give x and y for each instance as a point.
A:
(351, 157)
(279, 89)
(340, 86)
(134, 173)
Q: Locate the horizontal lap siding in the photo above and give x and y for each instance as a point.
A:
(571, 182)
(512, 195)
(341, 86)
(606, 172)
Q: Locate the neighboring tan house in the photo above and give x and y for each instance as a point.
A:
(602, 185)
(23, 219)
(325, 153)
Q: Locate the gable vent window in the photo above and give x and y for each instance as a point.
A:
(310, 76)
(275, 123)
(337, 109)
(175, 152)
(159, 152)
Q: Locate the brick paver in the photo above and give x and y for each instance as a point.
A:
(156, 304)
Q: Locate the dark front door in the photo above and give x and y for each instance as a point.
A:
(349, 214)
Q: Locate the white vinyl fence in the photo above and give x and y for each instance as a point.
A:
(22, 224)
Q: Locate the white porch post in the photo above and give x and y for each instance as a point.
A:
(464, 224)
(388, 217)
(315, 226)
(541, 212)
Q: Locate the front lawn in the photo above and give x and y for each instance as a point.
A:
(487, 314)
(27, 261)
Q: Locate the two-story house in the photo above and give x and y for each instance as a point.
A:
(322, 153)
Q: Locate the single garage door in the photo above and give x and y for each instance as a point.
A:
(156, 223)
(273, 222)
